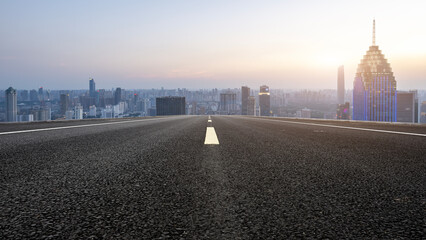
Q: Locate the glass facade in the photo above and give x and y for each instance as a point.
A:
(374, 94)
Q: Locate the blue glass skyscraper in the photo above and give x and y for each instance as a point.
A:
(374, 93)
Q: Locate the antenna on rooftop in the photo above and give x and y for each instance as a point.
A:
(374, 32)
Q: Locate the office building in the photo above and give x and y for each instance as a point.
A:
(64, 102)
(78, 112)
(228, 103)
(92, 111)
(340, 85)
(245, 94)
(423, 112)
(304, 113)
(264, 101)
(24, 95)
(117, 95)
(42, 114)
(34, 96)
(374, 93)
(251, 106)
(25, 118)
(69, 115)
(407, 107)
(11, 105)
(41, 94)
(343, 111)
(170, 106)
(92, 88)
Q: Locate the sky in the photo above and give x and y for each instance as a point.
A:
(205, 44)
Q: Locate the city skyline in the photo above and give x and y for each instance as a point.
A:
(137, 45)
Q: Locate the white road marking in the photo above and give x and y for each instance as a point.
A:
(209, 120)
(352, 128)
(78, 126)
(209, 117)
(211, 137)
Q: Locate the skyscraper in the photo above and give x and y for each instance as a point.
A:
(264, 101)
(170, 106)
(33, 96)
(41, 94)
(407, 106)
(11, 105)
(251, 106)
(374, 93)
(228, 103)
(92, 88)
(340, 85)
(245, 93)
(64, 101)
(117, 95)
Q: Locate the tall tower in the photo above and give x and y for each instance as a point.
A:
(245, 93)
(340, 85)
(117, 96)
(11, 105)
(92, 88)
(374, 92)
(264, 101)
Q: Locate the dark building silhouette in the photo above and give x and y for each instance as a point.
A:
(117, 96)
(65, 103)
(264, 101)
(92, 88)
(24, 95)
(170, 106)
(340, 85)
(33, 96)
(343, 111)
(11, 105)
(41, 94)
(407, 107)
(245, 94)
(374, 92)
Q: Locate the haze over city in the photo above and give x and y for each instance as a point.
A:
(203, 44)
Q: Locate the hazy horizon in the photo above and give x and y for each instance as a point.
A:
(204, 45)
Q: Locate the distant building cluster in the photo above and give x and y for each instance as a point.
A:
(374, 98)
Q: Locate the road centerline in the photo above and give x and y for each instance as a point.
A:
(211, 137)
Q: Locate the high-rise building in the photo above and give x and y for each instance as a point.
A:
(92, 88)
(374, 93)
(41, 94)
(65, 102)
(24, 95)
(170, 106)
(33, 96)
(264, 101)
(11, 105)
(340, 85)
(245, 94)
(92, 111)
(228, 103)
(407, 107)
(78, 112)
(423, 112)
(251, 106)
(117, 95)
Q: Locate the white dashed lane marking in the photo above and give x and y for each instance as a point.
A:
(211, 137)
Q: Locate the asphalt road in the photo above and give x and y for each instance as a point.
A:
(155, 178)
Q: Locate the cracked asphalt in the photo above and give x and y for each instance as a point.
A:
(265, 180)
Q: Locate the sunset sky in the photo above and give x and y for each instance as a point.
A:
(205, 44)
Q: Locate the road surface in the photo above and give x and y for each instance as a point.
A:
(264, 178)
